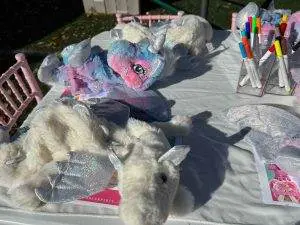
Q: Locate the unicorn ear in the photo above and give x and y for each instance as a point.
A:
(159, 41)
(176, 154)
(116, 34)
(83, 111)
(136, 19)
(114, 159)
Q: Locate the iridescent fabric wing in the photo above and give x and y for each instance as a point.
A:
(109, 109)
(144, 105)
(82, 175)
(270, 126)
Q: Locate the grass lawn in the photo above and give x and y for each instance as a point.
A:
(219, 11)
(40, 38)
(84, 26)
(40, 29)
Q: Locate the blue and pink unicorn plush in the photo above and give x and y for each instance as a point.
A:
(91, 70)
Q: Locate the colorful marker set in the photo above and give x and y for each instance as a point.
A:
(282, 72)
(251, 50)
(252, 28)
(279, 46)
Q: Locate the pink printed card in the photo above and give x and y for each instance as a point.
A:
(283, 188)
(109, 196)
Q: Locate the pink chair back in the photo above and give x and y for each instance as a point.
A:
(233, 21)
(147, 19)
(18, 88)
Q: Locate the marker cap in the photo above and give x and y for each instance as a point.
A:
(242, 50)
(244, 33)
(247, 48)
(250, 22)
(253, 27)
(282, 28)
(258, 23)
(284, 18)
(247, 26)
(272, 48)
(255, 30)
(278, 49)
(283, 46)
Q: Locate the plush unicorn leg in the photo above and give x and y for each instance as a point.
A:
(177, 126)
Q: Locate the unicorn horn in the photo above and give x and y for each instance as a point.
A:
(159, 41)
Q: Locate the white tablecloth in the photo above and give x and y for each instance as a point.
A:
(220, 170)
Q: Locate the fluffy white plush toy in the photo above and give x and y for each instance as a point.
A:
(148, 168)
(54, 132)
(149, 176)
(190, 30)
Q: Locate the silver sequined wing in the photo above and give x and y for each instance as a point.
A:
(270, 126)
(82, 175)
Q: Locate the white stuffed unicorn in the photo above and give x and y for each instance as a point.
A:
(148, 168)
(191, 31)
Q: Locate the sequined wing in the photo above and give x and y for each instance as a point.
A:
(272, 128)
(82, 175)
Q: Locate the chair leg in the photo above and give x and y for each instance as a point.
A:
(233, 22)
(204, 8)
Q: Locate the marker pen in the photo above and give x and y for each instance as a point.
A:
(250, 22)
(284, 50)
(254, 76)
(258, 23)
(253, 31)
(283, 24)
(280, 76)
(248, 29)
(247, 49)
(270, 51)
(249, 72)
(246, 45)
(277, 32)
(282, 66)
(255, 72)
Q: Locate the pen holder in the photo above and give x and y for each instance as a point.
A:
(264, 72)
(272, 86)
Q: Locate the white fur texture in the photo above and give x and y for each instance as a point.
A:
(134, 32)
(191, 31)
(148, 185)
(55, 131)
(183, 202)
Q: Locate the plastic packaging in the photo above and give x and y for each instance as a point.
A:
(264, 72)
(275, 138)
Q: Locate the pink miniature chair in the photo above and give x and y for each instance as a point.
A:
(233, 21)
(148, 19)
(18, 88)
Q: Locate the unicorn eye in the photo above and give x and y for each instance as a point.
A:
(163, 178)
(138, 69)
